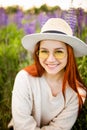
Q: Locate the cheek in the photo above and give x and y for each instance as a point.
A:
(41, 62)
(65, 62)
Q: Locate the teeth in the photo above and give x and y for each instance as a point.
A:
(51, 65)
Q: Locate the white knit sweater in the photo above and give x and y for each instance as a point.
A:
(34, 107)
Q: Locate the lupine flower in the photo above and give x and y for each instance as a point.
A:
(3, 17)
(30, 27)
(57, 13)
(71, 18)
(50, 15)
(86, 25)
(80, 17)
(86, 19)
(18, 18)
(26, 18)
(42, 18)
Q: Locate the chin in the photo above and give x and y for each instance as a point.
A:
(52, 72)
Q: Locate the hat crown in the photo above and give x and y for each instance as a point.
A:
(57, 24)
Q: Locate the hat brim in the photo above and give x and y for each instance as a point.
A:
(79, 47)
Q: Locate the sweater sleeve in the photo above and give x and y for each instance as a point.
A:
(22, 104)
(66, 119)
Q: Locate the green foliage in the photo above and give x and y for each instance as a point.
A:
(84, 35)
(82, 66)
(43, 8)
(12, 57)
(81, 123)
(12, 9)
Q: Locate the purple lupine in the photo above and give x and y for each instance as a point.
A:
(3, 17)
(50, 15)
(80, 17)
(27, 17)
(57, 13)
(18, 18)
(85, 26)
(86, 19)
(30, 27)
(63, 14)
(71, 18)
(42, 18)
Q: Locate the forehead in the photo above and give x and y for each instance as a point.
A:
(52, 44)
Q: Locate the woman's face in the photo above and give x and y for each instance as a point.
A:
(52, 56)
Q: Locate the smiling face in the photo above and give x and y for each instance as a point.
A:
(53, 56)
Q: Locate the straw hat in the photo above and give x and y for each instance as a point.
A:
(56, 29)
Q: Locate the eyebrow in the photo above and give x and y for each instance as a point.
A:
(43, 48)
(54, 48)
(60, 48)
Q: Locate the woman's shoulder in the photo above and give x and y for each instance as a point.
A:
(29, 71)
(70, 92)
(22, 73)
(25, 80)
(71, 97)
(82, 93)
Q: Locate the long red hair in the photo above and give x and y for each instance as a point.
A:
(71, 75)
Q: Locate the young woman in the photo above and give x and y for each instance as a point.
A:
(49, 94)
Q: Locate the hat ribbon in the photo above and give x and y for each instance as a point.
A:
(54, 31)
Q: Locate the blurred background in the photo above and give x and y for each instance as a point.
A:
(21, 17)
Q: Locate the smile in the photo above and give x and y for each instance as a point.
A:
(52, 65)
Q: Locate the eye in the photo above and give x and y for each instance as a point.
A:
(43, 53)
(59, 54)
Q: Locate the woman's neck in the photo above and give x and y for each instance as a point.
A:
(55, 82)
(54, 77)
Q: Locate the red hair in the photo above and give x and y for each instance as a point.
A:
(71, 75)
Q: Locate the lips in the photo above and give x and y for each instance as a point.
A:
(51, 66)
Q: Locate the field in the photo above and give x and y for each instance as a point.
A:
(14, 24)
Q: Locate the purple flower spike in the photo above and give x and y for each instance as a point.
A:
(30, 27)
(71, 18)
(3, 17)
(42, 18)
(80, 17)
(18, 18)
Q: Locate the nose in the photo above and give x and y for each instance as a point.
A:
(51, 58)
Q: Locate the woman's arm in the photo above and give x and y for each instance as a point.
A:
(66, 119)
(22, 103)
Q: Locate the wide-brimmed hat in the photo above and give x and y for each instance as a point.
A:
(56, 29)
